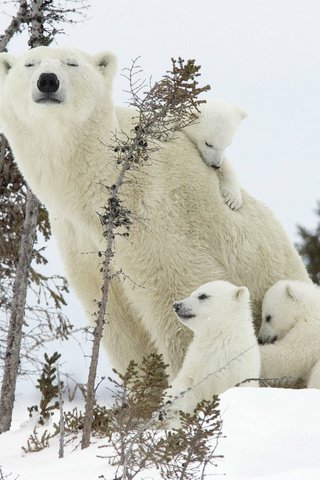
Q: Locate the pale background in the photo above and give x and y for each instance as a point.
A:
(263, 55)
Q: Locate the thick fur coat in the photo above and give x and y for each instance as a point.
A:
(224, 351)
(212, 133)
(290, 333)
(187, 235)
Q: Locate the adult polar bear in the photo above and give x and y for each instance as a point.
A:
(57, 112)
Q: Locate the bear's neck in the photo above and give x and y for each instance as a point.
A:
(219, 327)
(53, 155)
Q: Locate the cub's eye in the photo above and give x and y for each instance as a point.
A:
(203, 296)
(72, 63)
(268, 318)
(29, 64)
(209, 145)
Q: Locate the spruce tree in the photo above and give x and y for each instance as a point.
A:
(309, 248)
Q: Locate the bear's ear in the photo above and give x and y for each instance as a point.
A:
(6, 62)
(106, 62)
(243, 114)
(241, 292)
(290, 292)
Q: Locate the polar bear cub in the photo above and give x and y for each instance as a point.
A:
(290, 332)
(212, 134)
(224, 351)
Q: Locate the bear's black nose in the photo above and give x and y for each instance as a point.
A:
(177, 306)
(48, 83)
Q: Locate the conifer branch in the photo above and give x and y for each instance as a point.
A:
(168, 106)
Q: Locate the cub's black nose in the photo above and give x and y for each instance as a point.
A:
(48, 83)
(177, 306)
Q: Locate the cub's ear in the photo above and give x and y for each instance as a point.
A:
(6, 62)
(241, 292)
(243, 114)
(290, 292)
(106, 62)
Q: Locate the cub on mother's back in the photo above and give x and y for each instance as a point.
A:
(212, 134)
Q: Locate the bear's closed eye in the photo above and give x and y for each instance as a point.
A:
(203, 296)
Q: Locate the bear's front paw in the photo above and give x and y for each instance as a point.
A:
(232, 197)
(169, 416)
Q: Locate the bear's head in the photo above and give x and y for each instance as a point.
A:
(215, 306)
(285, 304)
(48, 83)
(215, 129)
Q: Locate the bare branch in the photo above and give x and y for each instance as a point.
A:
(46, 15)
(17, 316)
(3, 148)
(61, 420)
(6, 476)
(167, 106)
(15, 25)
(37, 20)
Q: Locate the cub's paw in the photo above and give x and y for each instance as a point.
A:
(232, 197)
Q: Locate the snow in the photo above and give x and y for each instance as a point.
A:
(269, 434)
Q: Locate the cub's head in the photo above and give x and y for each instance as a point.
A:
(215, 129)
(285, 304)
(213, 305)
(50, 82)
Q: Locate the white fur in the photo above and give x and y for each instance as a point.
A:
(313, 377)
(224, 351)
(186, 236)
(212, 134)
(291, 327)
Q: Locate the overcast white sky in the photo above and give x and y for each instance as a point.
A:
(263, 55)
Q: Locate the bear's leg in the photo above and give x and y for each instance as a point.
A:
(229, 186)
(124, 337)
(170, 337)
(179, 397)
(313, 378)
(292, 356)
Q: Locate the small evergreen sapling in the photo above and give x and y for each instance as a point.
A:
(309, 248)
(37, 442)
(49, 390)
(50, 395)
(137, 440)
(187, 451)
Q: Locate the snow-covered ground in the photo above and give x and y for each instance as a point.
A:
(270, 434)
